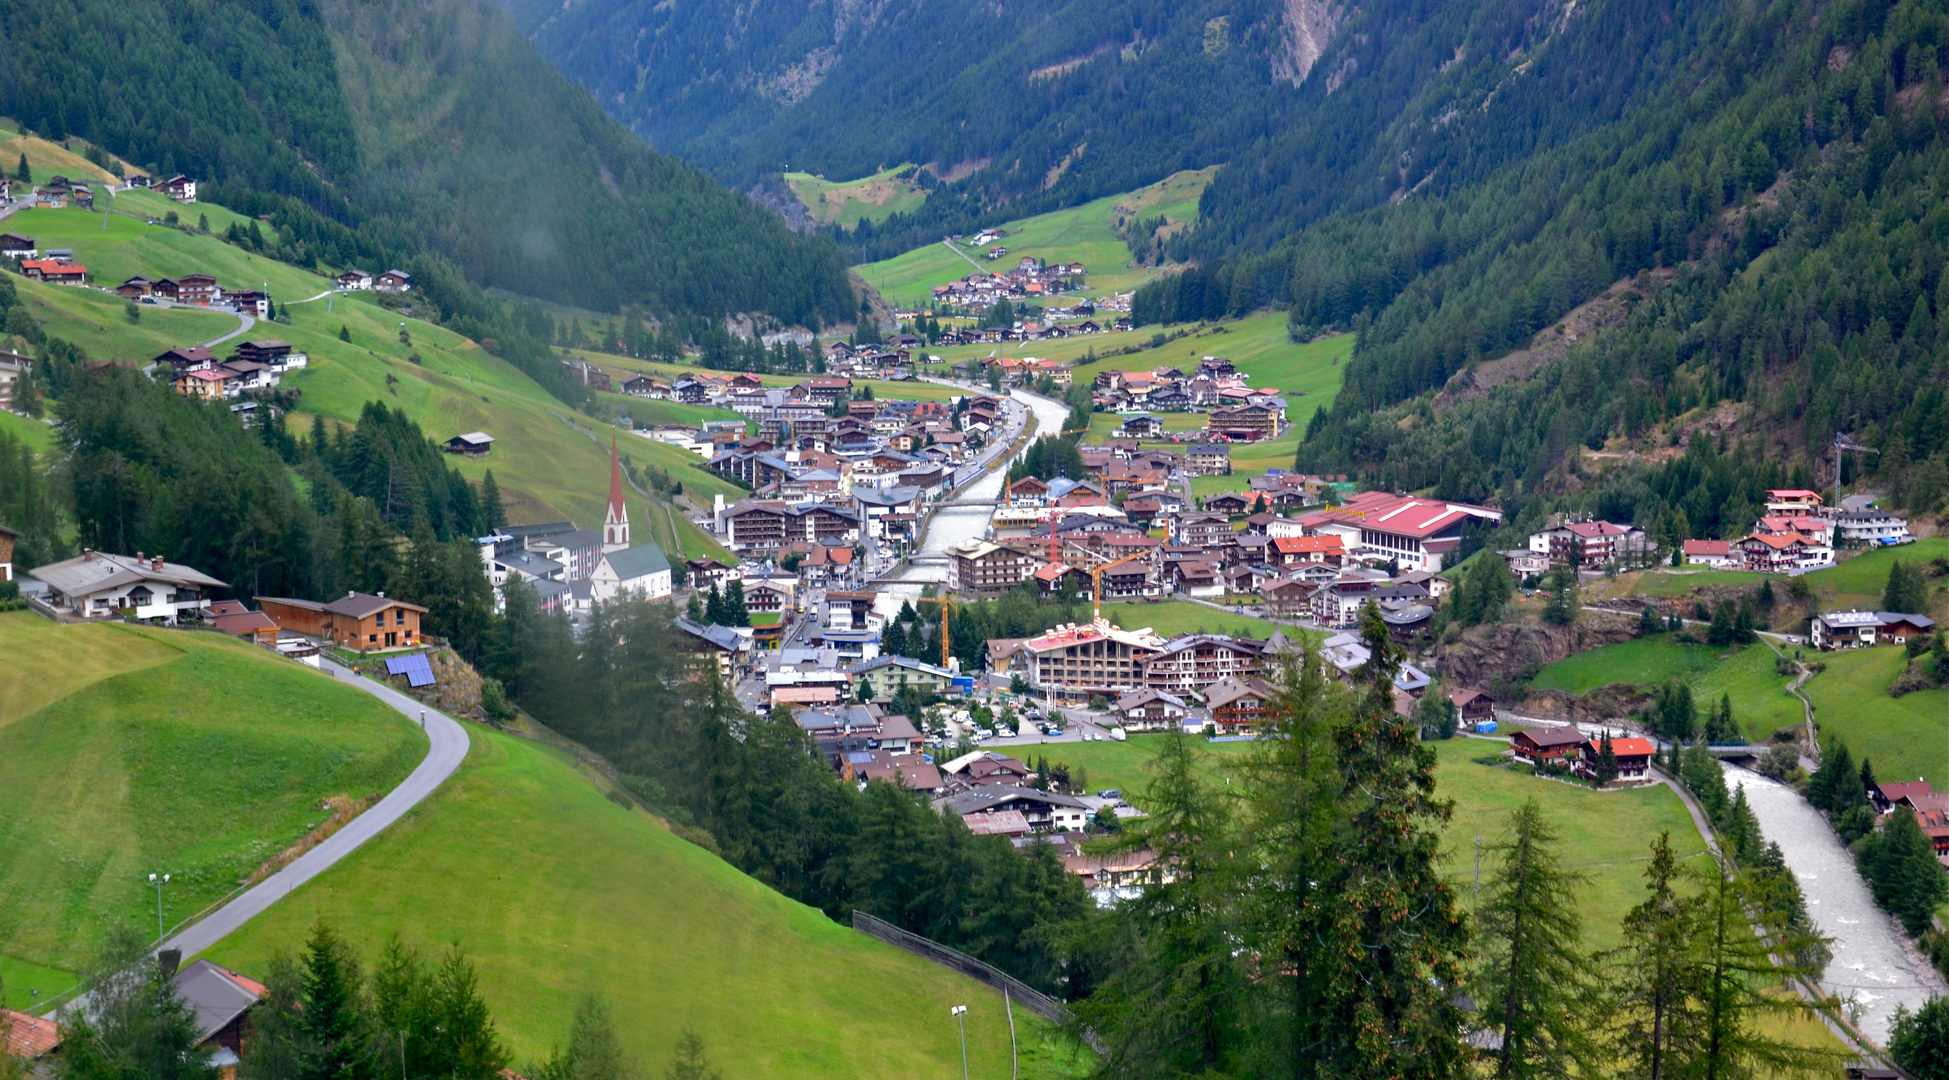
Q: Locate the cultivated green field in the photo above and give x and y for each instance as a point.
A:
(1746, 675)
(556, 891)
(546, 469)
(1085, 234)
(870, 198)
(1905, 737)
(128, 751)
(1683, 581)
(1607, 835)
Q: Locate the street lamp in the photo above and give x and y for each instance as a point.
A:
(960, 1013)
(158, 882)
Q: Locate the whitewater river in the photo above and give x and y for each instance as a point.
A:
(953, 524)
(1874, 962)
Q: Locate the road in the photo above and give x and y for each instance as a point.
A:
(446, 749)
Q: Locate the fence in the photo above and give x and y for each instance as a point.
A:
(1038, 1002)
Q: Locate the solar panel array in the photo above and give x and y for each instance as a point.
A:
(417, 671)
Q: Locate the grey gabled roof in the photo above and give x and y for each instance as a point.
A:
(85, 575)
(639, 561)
(1003, 794)
(358, 605)
(217, 995)
(722, 637)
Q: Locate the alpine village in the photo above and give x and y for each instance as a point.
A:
(630, 540)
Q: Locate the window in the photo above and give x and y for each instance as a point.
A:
(399, 616)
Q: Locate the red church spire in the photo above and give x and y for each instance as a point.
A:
(615, 521)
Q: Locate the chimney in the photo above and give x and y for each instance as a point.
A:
(158, 563)
(381, 594)
(139, 558)
(350, 593)
(87, 554)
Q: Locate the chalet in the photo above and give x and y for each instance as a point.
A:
(1591, 544)
(1341, 602)
(55, 272)
(1238, 704)
(1870, 528)
(1141, 426)
(1231, 502)
(98, 585)
(135, 288)
(1200, 529)
(363, 622)
(198, 289)
(208, 384)
(1859, 629)
(165, 289)
(1041, 811)
(355, 281)
(471, 444)
(1150, 710)
(1717, 554)
(393, 281)
(180, 188)
(1473, 706)
(1288, 595)
(1290, 551)
(252, 302)
(1208, 459)
(16, 246)
(1247, 423)
(1547, 746)
(1095, 658)
(186, 358)
(1197, 578)
(1793, 502)
(1193, 662)
(253, 626)
(1633, 759)
(1780, 553)
(977, 566)
(272, 352)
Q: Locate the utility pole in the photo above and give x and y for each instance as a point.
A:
(1478, 866)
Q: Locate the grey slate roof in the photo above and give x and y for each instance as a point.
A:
(84, 576)
(639, 561)
(215, 994)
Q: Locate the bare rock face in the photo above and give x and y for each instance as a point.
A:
(1521, 645)
(1303, 35)
(774, 194)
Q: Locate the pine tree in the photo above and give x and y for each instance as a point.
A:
(693, 608)
(594, 1052)
(735, 613)
(1649, 623)
(332, 1022)
(1920, 1039)
(1653, 1019)
(344, 332)
(22, 173)
(1534, 975)
(714, 606)
(1900, 865)
(1560, 606)
(1867, 775)
(1826, 789)
(491, 507)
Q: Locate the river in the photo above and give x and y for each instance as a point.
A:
(1874, 962)
(952, 524)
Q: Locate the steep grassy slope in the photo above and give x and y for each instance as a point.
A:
(136, 751)
(420, 125)
(869, 198)
(546, 468)
(1901, 737)
(556, 891)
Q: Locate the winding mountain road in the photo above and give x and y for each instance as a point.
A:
(447, 748)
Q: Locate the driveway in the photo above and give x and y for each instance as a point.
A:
(447, 748)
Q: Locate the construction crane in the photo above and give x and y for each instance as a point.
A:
(945, 605)
(1842, 444)
(1096, 580)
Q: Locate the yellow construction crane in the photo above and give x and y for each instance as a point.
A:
(945, 605)
(1096, 580)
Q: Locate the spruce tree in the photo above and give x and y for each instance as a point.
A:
(714, 606)
(693, 608)
(1920, 1039)
(735, 613)
(1534, 974)
(491, 507)
(690, 1062)
(136, 1025)
(593, 1052)
(1606, 767)
(344, 332)
(1389, 939)
(332, 1019)
(22, 173)
(1907, 590)
(1900, 865)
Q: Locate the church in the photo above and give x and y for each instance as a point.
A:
(642, 571)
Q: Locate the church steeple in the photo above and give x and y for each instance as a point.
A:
(615, 520)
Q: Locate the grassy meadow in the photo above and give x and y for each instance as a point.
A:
(1744, 674)
(870, 198)
(1905, 737)
(554, 890)
(1085, 234)
(1606, 835)
(1169, 617)
(128, 751)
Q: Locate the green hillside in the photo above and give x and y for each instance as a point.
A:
(1088, 234)
(126, 751)
(1745, 676)
(546, 469)
(870, 198)
(1900, 736)
(416, 135)
(556, 891)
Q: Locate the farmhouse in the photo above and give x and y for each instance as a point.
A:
(363, 622)
(393, 281)
(355, 280)
(1150, 710)
(1717, 554)
(1542, 746)
(1633, 759)
(1473, 706)
(1857, 629)
(472, 444)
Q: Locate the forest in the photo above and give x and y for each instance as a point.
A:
(443, 135)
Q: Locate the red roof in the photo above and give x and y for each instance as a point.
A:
(1400, 515)
(1590, 529)
(1302, 545)
(25, 1036)
(1708, 547)
(1633, 747)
